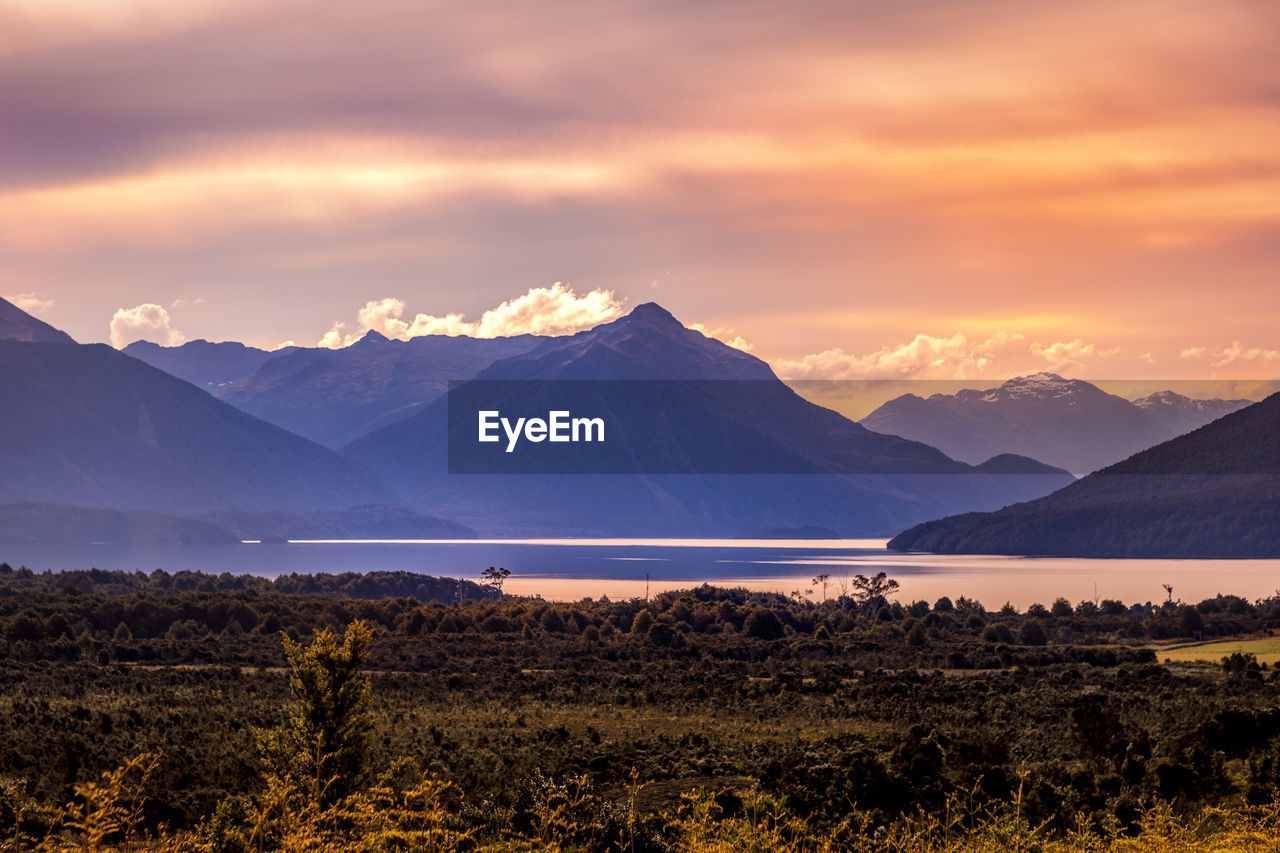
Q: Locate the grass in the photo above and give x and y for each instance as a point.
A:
(1266, 649)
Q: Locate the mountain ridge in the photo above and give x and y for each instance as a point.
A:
(1213, 492)
(1067, 423)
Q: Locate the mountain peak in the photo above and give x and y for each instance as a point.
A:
(373, 336)
(652, 313)
(18, 325)
(1042, 376)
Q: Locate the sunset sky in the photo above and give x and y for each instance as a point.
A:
(884, 190)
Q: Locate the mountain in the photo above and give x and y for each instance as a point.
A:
(212, 366)
(85, 424)
(18, 325)
(60, 524)
(703, 440)
(331, 396)
(1068, 423)
(1214, 492)
(1181, 414)
(370, 521)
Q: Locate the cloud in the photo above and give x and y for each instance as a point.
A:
(1065, 353)
(554, 310)
(725, 336)
(925, 356)
(148, 321)
(30, 302)
(1236, 354)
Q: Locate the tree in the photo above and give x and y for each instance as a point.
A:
(324, 748)
(763, 625)
(870, 594)
(642, 623)
(1033, 633)
(822, 580)
(1190, 622)
(494, 578)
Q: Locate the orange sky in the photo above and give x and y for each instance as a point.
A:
(959, 189)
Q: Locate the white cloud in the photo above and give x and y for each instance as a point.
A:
(148, 321)
(555, 310)
(925, 357)
(1234, 355)
(725, 336)
(1237, 353)
(1065, 353)
(30, 302)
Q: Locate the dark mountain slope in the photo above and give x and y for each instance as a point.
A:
(61, 524)
(89, 425)
(18, 325)
(1212, 492)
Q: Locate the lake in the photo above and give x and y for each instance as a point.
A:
(570, 569)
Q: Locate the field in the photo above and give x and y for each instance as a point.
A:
(709, 719)
(1264, 649)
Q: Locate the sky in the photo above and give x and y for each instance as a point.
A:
(960, 189)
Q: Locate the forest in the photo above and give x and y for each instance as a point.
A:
(157, 711)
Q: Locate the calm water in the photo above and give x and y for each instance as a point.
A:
(577, 568)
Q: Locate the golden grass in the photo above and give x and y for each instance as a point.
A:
(1266, 649)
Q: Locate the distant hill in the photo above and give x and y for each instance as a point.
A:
(18, 325)
(212, 366)
(85, 424)
(1067, 423)
(361, 522)
(60, 524)
(684, 429)
(1212, 492)
(331, 396)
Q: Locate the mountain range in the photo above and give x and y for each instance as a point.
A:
(706, 440)
(1214, 492)
(332, 396)
(710, 442)
(1068, 423)
(84, 424)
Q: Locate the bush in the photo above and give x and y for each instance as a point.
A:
(1033, 633)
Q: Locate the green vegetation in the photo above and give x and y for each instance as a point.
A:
(134, 713)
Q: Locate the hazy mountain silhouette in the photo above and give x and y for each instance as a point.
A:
(212, 366)
(370, 521)
(61, 524)
(1180, 414)
(680, 432)
(85, 424)
(18, 325)
(1068, 423)
(331, 396)
(1212, 492)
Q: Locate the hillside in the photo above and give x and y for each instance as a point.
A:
(1212, 492)
(89, 425)
(18, 325)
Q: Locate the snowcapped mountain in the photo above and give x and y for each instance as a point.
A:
(1068, 423)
